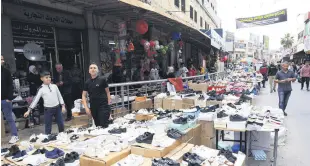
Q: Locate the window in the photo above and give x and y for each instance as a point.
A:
(183, 5)
(200, 21)
(203, 2)
(177, 3)
(191, 12)
(206, 25)
(195, 16)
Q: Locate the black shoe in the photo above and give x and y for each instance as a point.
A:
(221, 114)
(174, 134)
(201, 97)
(74, 137)
(237, 118)
(285, 114)
(231, 105)
(192, 159)
(12, 151)
(245, 97)
(211, 98)
(39, 151)
(219, 98)
(69, 158)
(69, 131)
(34, 139)
(164, 162)
(52, 137)
(118, 130)
(147, 138)
(211, 93)
(60, 162)
(180, 120)
(228, 154)
(68, 119)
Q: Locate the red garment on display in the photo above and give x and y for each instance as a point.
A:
(177, 82)
(191, 72)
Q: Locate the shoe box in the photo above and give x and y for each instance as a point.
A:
(149, 151)
(81, 120)
(2, 128)
(141, 117)
(198, 87)
(207, 128)
(170, 104)
(137, 105)
(214, 102)
(207, 141)
(111, 159)
(119, 112)
(189, 102)
(177, 153)
(236, 125)
(188, 135)
(158, 103)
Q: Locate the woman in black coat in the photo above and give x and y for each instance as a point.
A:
(34, 80)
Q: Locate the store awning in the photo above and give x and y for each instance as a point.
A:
(135, 10)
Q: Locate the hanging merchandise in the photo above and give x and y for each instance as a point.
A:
(146, 46)
(152, 44)
(225, 58)
(171, 46)
(176, 35)
(142, 41)
(211, 52)
(181, 44)
(122, 53)
(142, 27)
(130, 47)
(157, 47)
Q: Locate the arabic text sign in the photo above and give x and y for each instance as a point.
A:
(43, 16)
(267, 19)
(22, 29)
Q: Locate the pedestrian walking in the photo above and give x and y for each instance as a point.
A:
(99, 97)
(284, 79)
(272, 71)
(53, 103)
(305, 75)
(264, 71)
(63, 80)
(6, 100)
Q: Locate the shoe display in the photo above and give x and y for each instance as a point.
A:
(174, 134)
(221, 114)
(164, 162)
(13, 140)
(4, 151)
(19, 155)
(147, 138)
(12, 151)
(231, 105)
(180, 120)
(192, 158)
(237, 118)
(39, 151)
(117, 130)
(55, 153)
(228, 154)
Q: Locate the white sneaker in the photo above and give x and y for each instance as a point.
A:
(13, 140)
(18, 98)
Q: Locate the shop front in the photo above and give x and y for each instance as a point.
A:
(57, 34)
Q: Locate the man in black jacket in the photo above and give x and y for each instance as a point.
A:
(272, 71)
(6, 100)
(63, 80)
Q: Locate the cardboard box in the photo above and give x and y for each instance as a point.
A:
(119, 112)
(147, 150)
(170, 104)
(207, 141)
(207, 128)
(2, 127)
(158, 103)
(136, 105)
(177, 153)
(141, 117)
(188, 135)
(199, 87)
(81, 120)
(197, 134)
(214, 102)
(189, 102)
(111, 159)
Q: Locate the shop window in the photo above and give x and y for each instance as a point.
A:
(191, 12)
(200, 21)
(195, 16)
(177, 3)
(183, 5)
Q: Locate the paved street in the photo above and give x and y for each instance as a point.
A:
(294, 153)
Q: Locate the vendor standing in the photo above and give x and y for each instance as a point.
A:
(99, 95)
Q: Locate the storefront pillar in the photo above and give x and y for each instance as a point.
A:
(7, 48)
(92, 41)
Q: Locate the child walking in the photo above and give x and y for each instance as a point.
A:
(52, 103)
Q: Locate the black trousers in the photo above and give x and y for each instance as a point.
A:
(303, 80)
(76, 91)
(68, 102)
(100, 111)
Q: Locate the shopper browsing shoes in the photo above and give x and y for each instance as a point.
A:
(272, 71)
(284, 78)
(305, 75)
(6, 100)
(52, 103)
(99, 94)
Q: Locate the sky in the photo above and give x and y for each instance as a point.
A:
(229, 10)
